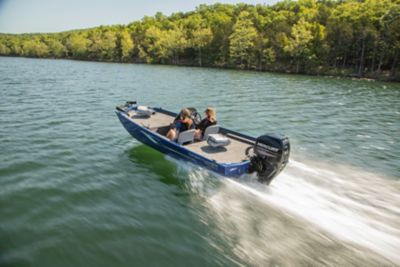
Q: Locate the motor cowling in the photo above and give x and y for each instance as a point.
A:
(270, 156)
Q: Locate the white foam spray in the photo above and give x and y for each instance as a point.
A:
(353, 205)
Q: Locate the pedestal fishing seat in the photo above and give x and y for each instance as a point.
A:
(217, 140)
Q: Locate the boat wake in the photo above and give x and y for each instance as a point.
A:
(351, 205)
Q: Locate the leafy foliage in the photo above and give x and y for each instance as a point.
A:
(347, 37)
(242, 40)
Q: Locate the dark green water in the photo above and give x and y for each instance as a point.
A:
(77, 190)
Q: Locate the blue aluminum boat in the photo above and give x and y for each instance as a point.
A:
(238, 154)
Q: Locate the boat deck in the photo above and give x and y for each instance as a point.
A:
(233, 153)
(156, 120)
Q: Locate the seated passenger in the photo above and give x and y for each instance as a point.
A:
(210, 119)
(182, 123)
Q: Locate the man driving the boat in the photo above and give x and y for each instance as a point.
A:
(210, 119)
(182, 123)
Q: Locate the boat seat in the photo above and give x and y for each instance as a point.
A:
(186, 136)
(217, 140)
(213, 129)
(143, 111)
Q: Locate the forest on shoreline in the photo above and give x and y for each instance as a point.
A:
(358, 38)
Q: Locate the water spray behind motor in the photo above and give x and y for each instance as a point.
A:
(269, 156)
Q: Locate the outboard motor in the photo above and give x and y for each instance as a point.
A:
(270, 156)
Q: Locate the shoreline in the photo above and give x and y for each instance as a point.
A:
(327, 75)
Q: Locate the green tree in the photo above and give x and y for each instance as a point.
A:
(164, 44)
(77, 45)
(390, 22)
(152, 49)
(56, 48)
(220, 19)
(242, 40)
(15, 45)
(298, 45)
(126, 45)
(108, 45)
(265, 54)
(102, 44)
(175, 41)
(200, 35)
(340, 36)
(35, 48)
(94, 46)
(4, 50)
(200, 39)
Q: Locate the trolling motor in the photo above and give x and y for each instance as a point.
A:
(269, 156)
(128, 104)
(132, 109)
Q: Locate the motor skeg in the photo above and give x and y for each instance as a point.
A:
(270, 156)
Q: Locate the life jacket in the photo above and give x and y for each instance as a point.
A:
(185, 125)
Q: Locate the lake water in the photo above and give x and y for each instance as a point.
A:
(77, 190)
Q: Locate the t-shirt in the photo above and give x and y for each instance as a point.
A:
(204, 124)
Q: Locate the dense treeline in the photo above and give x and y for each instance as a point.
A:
(349, 37)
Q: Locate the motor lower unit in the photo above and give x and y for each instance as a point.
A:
(269, 156)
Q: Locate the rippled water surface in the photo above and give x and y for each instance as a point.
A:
(77, 190)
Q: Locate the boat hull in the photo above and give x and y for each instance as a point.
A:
(178, 151)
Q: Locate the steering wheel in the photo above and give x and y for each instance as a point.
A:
(196, 117)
